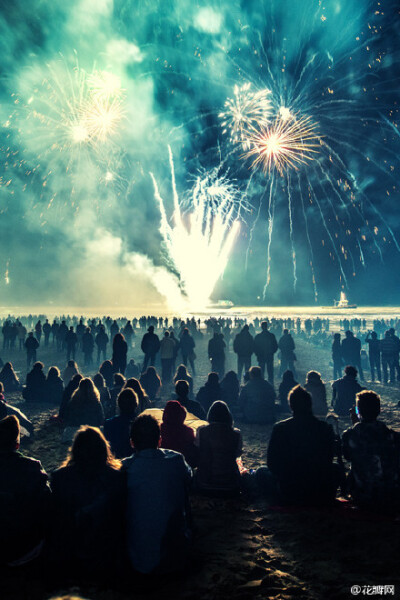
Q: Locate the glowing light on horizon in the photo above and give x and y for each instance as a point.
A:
(200, 238)
(247, 110)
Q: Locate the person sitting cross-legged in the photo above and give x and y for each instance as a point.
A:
(300, 457)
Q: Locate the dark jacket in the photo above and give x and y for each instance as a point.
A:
(219, 447)
(265, 345)
(117, 432)
(243, 344)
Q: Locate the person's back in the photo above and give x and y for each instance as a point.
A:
(300, 454)
(182, 395)
(209, 392)
(316, 387)
(373, 449)
(158, 480)
(175, 435)
(257, 399)
(24, 498)
(344, 391)
(117, 429)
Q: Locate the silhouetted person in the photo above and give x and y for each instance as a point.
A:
(337, 356)
(373, 450)
(187, 346)
(9, 378)
(87, 347)
(344, 391)
(68, 391)
(216, 353)
(101, 341)
(25, 499)
(105, 396)
(117, 430)
(167, 350)
(374, 354)
(151, 382)
(120, 351)
(156, 512)
(84, 408)
(351, 351)
(183, 374)
(287, 346)
(300, 457)
(150, 346)
(209, 392)
(70, 370)
(34, 390)
(132, 369)
(243, 346)
(53, 387)
(257, 399)
(182, 395)
(265, 346)
(107, 370)
(31, 345)
(175, 435)
(143, 399)
(71, 341)
(316, 387)
(230, 388)
(287, 384)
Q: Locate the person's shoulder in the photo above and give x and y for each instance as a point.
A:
(31, 464)
(284, 424)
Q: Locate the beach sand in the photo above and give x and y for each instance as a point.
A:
(247, 549)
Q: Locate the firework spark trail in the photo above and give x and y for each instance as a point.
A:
(201, 238)
(345, 207)
(362, 260)
(289, 191)
(342, 167)
(314, 280)
(311, 190)
(271, 211)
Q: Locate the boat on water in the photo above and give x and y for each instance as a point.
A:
(343, 302)
(221, 304)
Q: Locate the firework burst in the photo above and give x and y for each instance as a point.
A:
(246, 111)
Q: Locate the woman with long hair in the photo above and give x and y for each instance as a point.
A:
(143, 400)
(105, 397)
(54, 386)
(84, 408)
(316, 387)
(9, 378)
(182, 374)
(88, 499)
(151, 382)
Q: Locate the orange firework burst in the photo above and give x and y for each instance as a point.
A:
(285, 144)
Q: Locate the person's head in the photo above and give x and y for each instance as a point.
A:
(118, 379)
(181, 372)
(264, 326)
(38, 366)
(127, 402)
(74, 382)
(387, 334)
(374, 335)
(287, 376)
(245, 327)
(349, 334)
(174, 413)
(300, 401)
(185, 331)
(255, 373)
(99, 381)
(118, 339)
(53, 373)
(152, 373)
(72, 364)
(151, 329)
(369, 405)
(71, 329)
(106, 367)
(9, 434)
(166, 334)
(213, 380)
(145, 433)
(391, 331)
(87, 388)
(90, 450)
(231, 377)
(135, 385)
(182, 388)
(350, 371)
(313, 377)
(220, 413)
(8, 368)
(336, 337)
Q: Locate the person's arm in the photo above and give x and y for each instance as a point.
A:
(23, 420)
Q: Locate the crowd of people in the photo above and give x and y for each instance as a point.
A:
(121, 499)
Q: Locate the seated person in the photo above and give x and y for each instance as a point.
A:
(300, 457)
(9, 378)
(151, 383)
(316, 387)
(288, 383)
(132, 369)
(53, 387)
(6, 410)
(117, 430)
(70, 370)
(230, 388)
(220, 444)
(373, 450)
(182, 374)
(344, 391)
(175, 435)
(34, 390)
(25, 499)
(84, 408)
(182, 395)
(157, 520)
(143, 399)
(257, 399)
(209, 392)
(118, 383)
(107, 370)
(105, 396)
(69, 390)
(88, 500)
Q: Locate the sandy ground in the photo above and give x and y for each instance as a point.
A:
(248, 549)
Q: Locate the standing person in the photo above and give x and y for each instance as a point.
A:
(157, 520)
(31, 345)
(21, 335)
(351, 351)
(150, 346)
(119, 355)
(25, 498)
(216, 353)
(71, 340)
(265, 346)
(337, 356)
(46, 332)
(167, 350)
(243, 346)
(87, 347)
(344, 391)
(38, 331)
(101, 340)
(396, 345)
(128, 333)
(187, 346)
(388, 350)
(287, 346)
(374, 354)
